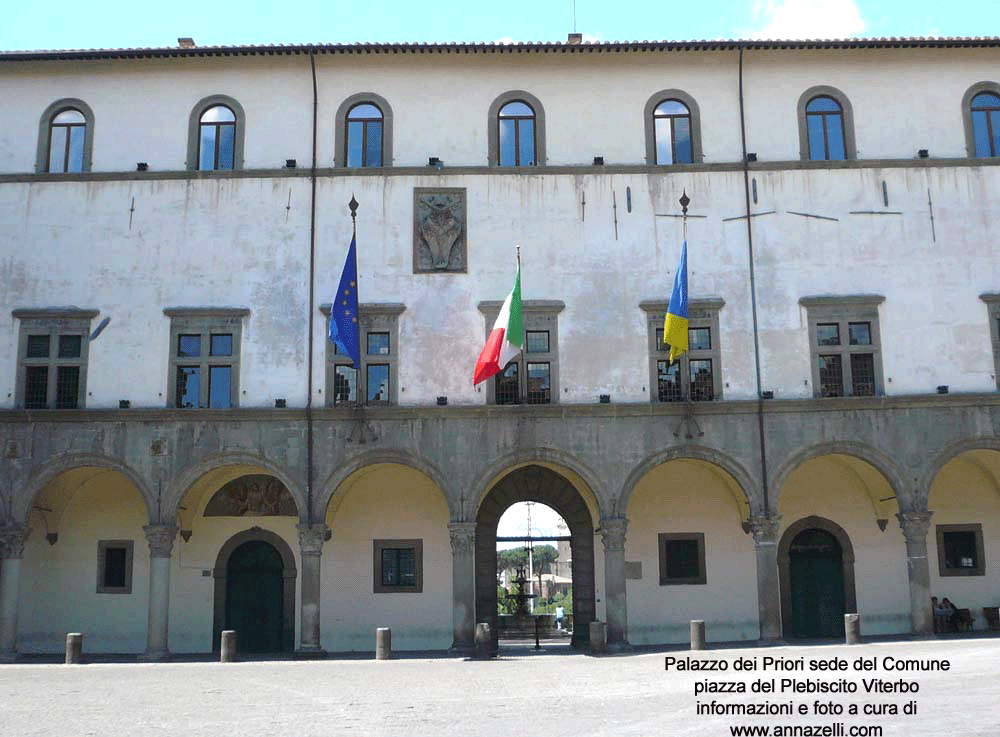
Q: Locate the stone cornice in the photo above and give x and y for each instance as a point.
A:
(206, 311)
(660, 305)
(368, 309)
(49, 313)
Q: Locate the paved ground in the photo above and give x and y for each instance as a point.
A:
(551, 694)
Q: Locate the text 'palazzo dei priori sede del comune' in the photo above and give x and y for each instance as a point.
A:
(184, 450)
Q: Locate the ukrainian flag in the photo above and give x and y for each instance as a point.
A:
(675, 326)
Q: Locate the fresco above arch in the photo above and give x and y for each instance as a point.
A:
(253, 495)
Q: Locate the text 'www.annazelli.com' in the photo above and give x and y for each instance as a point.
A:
(837, 729)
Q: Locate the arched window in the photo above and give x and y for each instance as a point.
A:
(364, 136)
(672, 131)
(215, 135)
(516, 128)
(985, 112)
(217, 138)
(826, 125)
(65, 137)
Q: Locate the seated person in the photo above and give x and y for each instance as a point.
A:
(951, 613)
(940, 615)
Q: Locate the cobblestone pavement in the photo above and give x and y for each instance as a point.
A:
(521, 693)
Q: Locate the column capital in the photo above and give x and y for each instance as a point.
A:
(463, 537)
(312, 537)
(613, 533)
(915, 524)
(765, 528)
(12, 541)
(161, 539)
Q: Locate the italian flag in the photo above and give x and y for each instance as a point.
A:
(505, 340)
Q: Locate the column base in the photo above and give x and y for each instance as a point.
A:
(9, 657)
(771, 642)
(309, 653)
(619, 647)
(155, 656)
(462, 649)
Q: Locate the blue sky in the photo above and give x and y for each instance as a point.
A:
(63, 24)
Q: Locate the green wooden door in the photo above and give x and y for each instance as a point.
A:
(817, 585)
(254, 597)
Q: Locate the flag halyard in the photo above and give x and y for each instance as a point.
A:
(505, 339)
(675, 324)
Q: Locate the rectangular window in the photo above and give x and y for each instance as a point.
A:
(993, 312)
(114, 566)
(52, 363)
(375, 384)
(844, 345)
(696, 375)
(398, 566)
(204, 357)
(533, 376)
(960, 550)
(682, 558)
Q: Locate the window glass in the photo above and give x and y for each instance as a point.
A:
(699, 339)
(669, 381)
(682, 141)
(75, 116)
(188, 386)
(227, 140)
(36, 387)
(960, 550)
(373, 147)
(38, 346)
(355, 143)
(828, 334)
(378, 383)
(831, 376)
(188, 346)
(817, 137)
(526, 142)
(222, 344)
(206, 160)
(681, 558)
(672, 107)
(516, 108)
(218, 114)
(508, 143)
(57, 148)
(823, 104)
(538, 383)
(399, 567)
(378, 344)
(365, 110)
(70, 345)
(860, 333)
(536, 341)
(664, 141)
(67, 387)
(115, 567)
(702, 385)
(345, 384)
(835, 137)
(508, 390)
(219, 384)
(74, 152)
(863, 374)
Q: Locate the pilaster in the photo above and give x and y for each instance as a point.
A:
(311, 540)
(613, 536)
(764, 529)
(160, 538)
(915, 525)
(463, 570)
(12, 540)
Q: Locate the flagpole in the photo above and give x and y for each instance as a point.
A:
(518, 249)
(685, 201)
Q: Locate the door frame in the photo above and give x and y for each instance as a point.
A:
(289, 573)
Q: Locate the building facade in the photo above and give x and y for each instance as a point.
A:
(184, 450)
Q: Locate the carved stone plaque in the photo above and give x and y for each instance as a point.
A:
(439, 230)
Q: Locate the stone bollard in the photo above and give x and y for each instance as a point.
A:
(383, 643)
(852, 629)
(484, 641)
(598, 638)
(227, 647)
(697, 634)
(74, 648)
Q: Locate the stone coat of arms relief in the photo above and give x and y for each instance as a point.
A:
(439, 234)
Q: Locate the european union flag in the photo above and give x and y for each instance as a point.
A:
(344, 310)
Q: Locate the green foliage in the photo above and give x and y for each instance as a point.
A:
(541, 560)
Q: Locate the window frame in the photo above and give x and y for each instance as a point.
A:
(193, 162)
(649, 122)
(205, 321)
(536, 315)
(102, 547)
(844, 311)
(340, 128)
(702, 313)
(970, 137)
(701, 578)
(977, 530)
(847, 119)
(45, 132)
(373, 317)
(53, 322)
(493, 127)
(992, 301)
(417, 545)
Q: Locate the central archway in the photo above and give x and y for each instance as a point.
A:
(537, 484)
(255, 592)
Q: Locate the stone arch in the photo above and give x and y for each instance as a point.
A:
(60, 464)
(943, 458)
(539, 484)
(184, 483)
(875, 458)
(289, 574)
(749, 503)
(332, 489)
(784, 559)
(584, 479)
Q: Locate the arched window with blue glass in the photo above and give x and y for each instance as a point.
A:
(672, 129)
(216, 130)
(516, 128)
(365, 124)
(982, 114)
(826, 125)
(65, 138)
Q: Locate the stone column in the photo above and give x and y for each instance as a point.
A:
(463, 586)
(12, 541)
(765, 542)
(161, 545)
(613, 537)
(311, 539)
(915, 526)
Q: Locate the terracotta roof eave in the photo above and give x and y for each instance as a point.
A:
(475, 48)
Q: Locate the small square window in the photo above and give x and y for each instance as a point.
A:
(699, 339)
(188, 346)
(682, 558)
(960, 550)
(398, 566)
(114, 566)
(38, 346)
(860, 333)
(222, 344)
(828, 334)
(378, 344)
(536, 341)
(70, 346)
